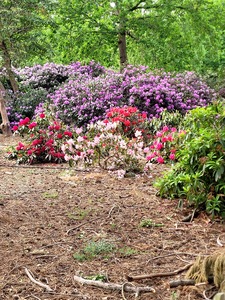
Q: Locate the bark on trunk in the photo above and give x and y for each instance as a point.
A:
(8, 65)
(122, 44)
(5, 126)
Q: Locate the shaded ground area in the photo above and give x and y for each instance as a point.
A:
(57, 223)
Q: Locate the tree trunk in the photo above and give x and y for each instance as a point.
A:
(5, 126)
(8, 66)
(122, 44)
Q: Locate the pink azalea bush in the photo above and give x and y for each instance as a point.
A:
(106, 144)
(44, 138)
(164, 145)
(118, 143)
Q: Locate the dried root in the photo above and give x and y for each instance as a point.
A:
(209, 269)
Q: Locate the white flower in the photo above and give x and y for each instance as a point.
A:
(70, 142)
(80, 139)
(78, 130)
(67, 157)
(123, 144)
(96, 140)
(121, 173)
(63, 148)
(138, 133)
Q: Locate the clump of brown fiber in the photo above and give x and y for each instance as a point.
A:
(209, 269)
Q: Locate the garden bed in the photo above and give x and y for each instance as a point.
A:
(57, 222)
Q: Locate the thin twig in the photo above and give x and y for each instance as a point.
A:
(153, 275)
(173, 254)
(111, 210)
(45, 286)
(56, 243)
(35, 297)
(123, 296)
(80, 225)
(7, 275)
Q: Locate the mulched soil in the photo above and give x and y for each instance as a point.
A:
(51, 213)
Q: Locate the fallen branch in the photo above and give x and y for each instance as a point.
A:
(113, 286)
(153, 275)
(182, 282)
(45, 286)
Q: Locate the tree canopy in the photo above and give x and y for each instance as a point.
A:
(174, 35)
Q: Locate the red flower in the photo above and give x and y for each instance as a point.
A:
(24, 121)
(160, 160)
(30, 152)
(36, 142)
(126, 123)
(42, 115)
(172, 156)
(15, 128)
(59, 135)
(159, 146)
(109, 114)
(144, 115)
(68, 133)
(57, 127)
(49, 142)
(32, 125)
(20, 146)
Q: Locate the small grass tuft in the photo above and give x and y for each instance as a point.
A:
(95, 249)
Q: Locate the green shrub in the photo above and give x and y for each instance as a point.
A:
(199, 174)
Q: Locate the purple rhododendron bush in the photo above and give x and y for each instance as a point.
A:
(86, 99)
(82, 94)
(38, 81)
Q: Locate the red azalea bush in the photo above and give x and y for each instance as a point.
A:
(44, 138)
(130, 119)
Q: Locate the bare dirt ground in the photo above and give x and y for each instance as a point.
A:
(56, 222)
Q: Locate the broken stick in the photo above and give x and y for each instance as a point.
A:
(182, 282)
(114, 286)
(153, 275)
(45, 286)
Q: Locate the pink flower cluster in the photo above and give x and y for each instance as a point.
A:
(163, 147)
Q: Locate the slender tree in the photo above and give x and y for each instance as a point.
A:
(20, 21)
(5, 126)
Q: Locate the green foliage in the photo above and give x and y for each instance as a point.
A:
(98, 277)
(150, 223)
(167, 118)
(24, 103)
(101, 248)
(21, 22)
(162, 34)
(127, 251)
(199, 173)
